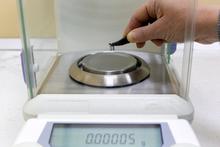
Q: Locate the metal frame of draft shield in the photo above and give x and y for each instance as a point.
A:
(167, 137)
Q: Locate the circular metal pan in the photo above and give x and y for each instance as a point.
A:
(109, 69)
(108, 63)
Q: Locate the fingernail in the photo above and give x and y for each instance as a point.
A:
(131, 37)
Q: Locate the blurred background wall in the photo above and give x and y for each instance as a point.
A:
(40, 15)
(8, 19)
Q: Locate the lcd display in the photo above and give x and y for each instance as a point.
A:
(72, 135)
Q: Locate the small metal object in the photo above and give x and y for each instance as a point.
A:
(112, 48)
(109, 69)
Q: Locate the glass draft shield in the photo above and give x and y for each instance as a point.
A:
(58, 34)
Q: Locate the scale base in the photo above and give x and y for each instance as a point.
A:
(135, 104)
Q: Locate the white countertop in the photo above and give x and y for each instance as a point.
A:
(204, 92)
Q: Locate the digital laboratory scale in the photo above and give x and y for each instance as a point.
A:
(82, 94)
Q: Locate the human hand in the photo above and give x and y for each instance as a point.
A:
(207, 24)
(170, 19)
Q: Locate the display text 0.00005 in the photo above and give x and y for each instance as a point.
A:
(107, 138)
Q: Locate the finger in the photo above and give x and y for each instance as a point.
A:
(140, 45)
(158, 42)
(143, 34)
(139, 17)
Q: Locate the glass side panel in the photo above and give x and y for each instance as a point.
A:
(26, 56)
(39, 27)
(179, 55)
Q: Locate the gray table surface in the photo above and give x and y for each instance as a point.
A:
(204, 93)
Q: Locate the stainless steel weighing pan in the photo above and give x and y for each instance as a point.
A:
(59, 82)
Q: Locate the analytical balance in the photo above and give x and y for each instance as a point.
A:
(82, 93)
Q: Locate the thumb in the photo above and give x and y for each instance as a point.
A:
(145, 33)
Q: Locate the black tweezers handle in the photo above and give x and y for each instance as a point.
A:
(122, 41)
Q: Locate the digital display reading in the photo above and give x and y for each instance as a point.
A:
(70, 135)
(114, 139)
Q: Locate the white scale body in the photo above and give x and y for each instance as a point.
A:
(55, 100)
(174, 132)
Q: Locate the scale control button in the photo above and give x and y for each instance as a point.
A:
(28, 144)
(184, 145)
